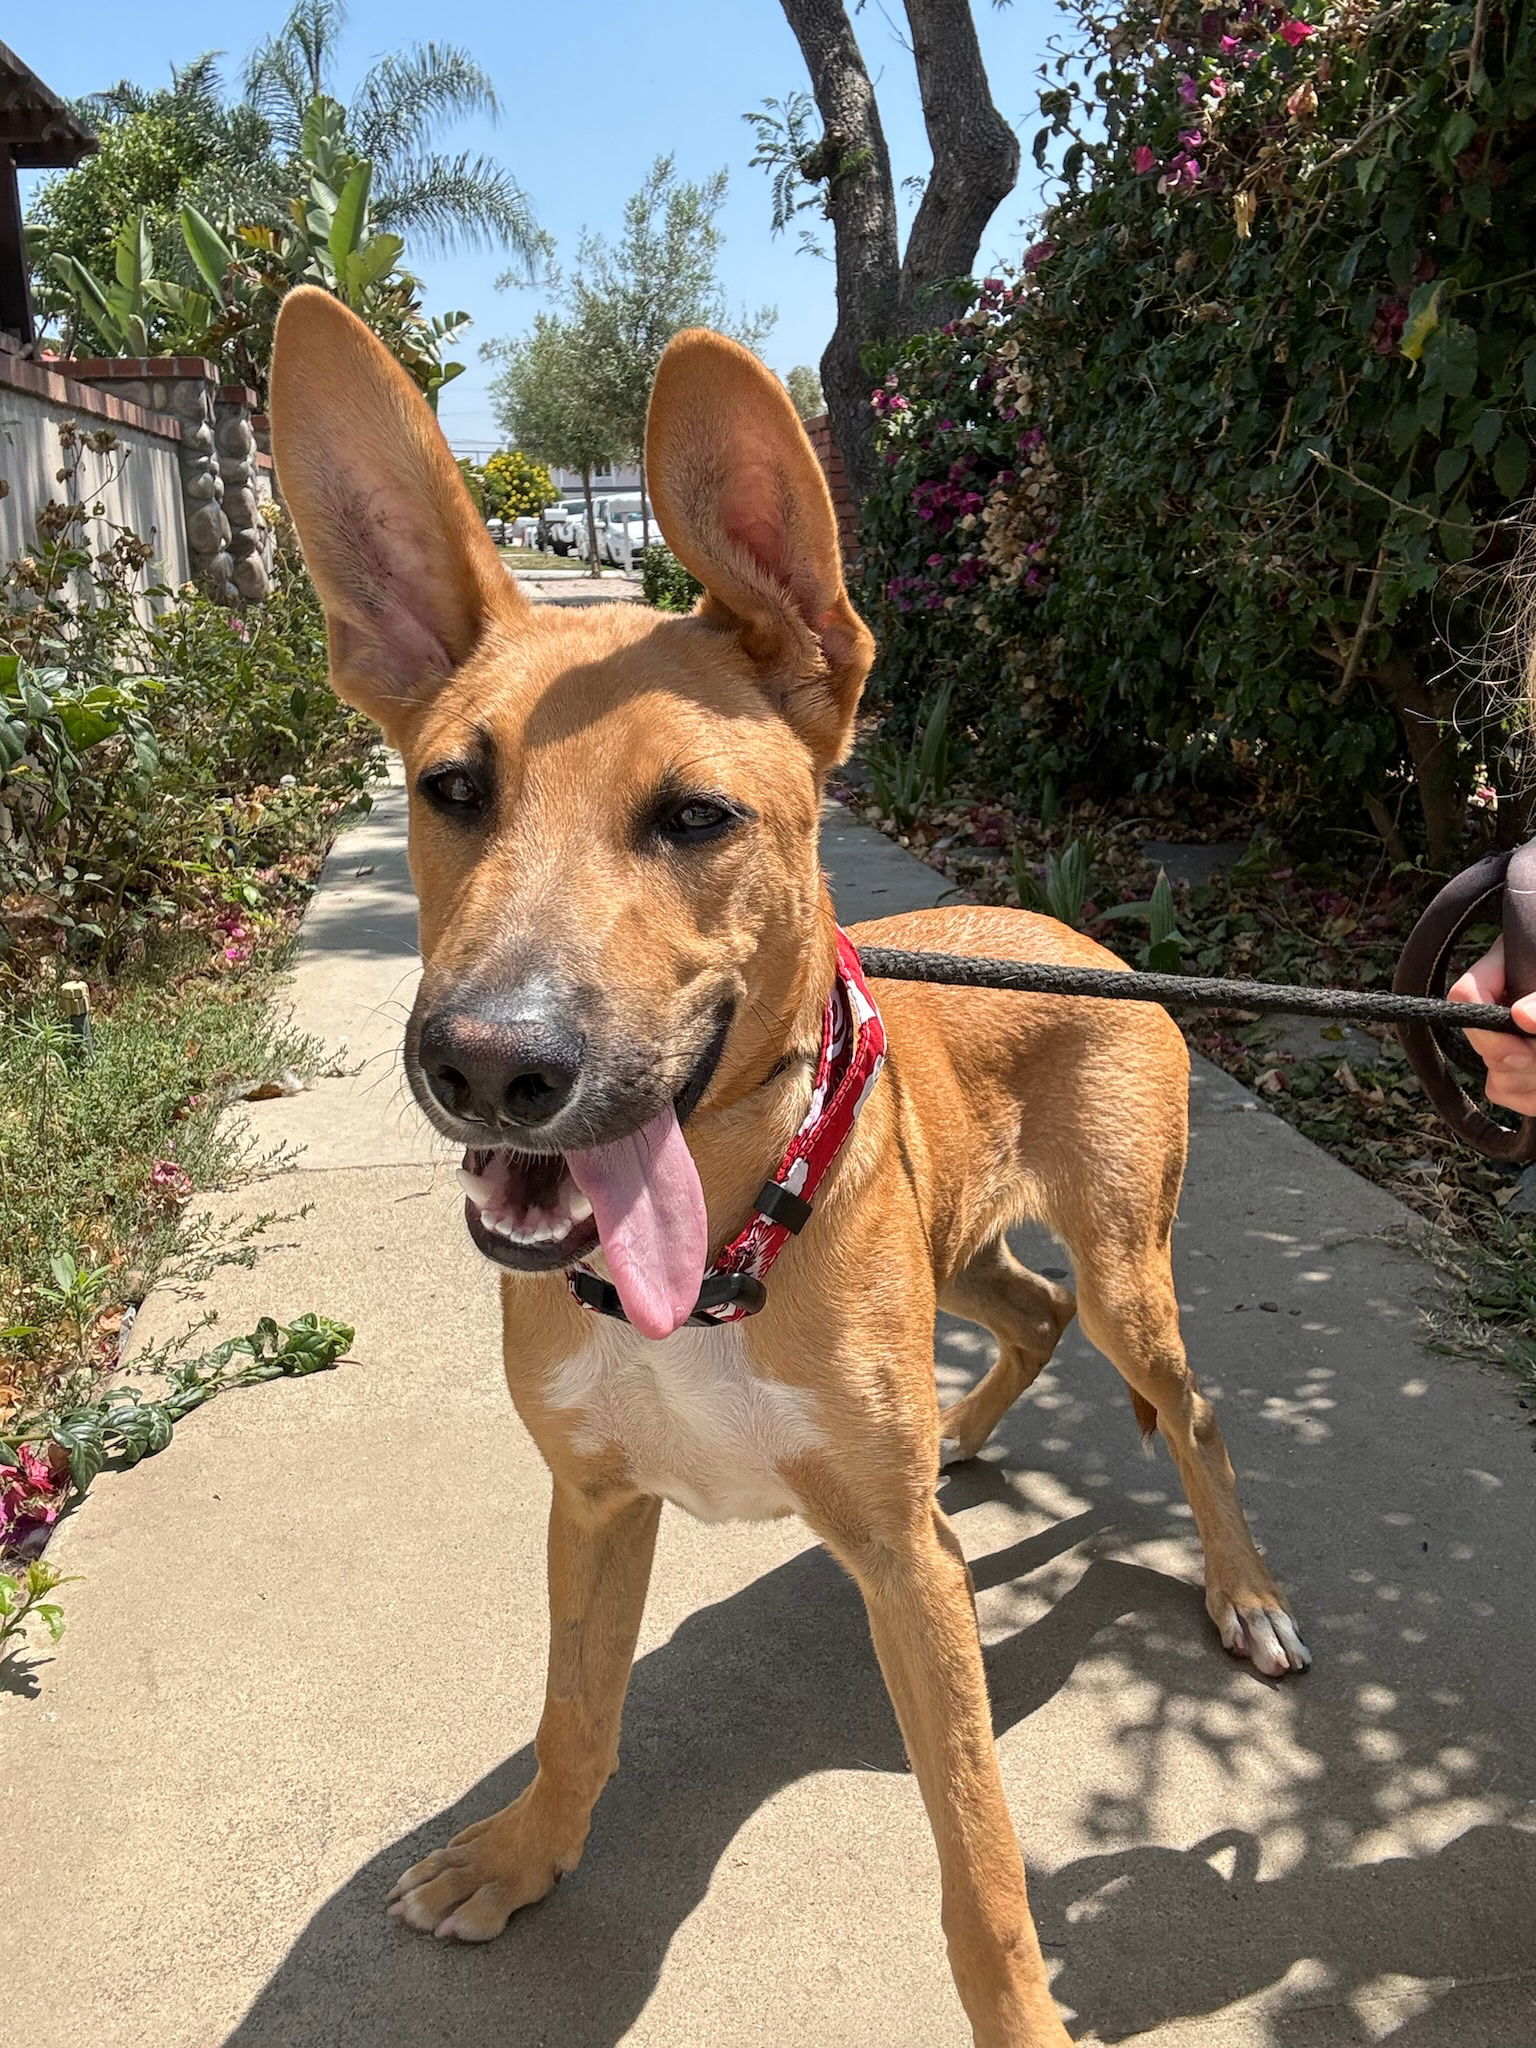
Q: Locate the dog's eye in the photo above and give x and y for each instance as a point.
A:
(697, 817)
(453, 790)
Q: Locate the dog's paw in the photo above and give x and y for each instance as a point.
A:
(1266, 1636)
(953, 1452)
(469, 1890)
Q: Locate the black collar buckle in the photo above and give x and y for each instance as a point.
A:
(720, 1290)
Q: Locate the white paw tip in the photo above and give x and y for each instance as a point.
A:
(950, 1452)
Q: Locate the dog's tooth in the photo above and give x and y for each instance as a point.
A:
(475, 1185)
(578, 1207)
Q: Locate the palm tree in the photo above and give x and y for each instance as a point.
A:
(394, 118)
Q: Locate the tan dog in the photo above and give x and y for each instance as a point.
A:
(624, 929)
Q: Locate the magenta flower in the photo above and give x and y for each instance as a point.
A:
(1182, 175)
(1295, 32)
(1146, 160)
(1191, 137)
(167, 1178)
(32, 1492)
(1229, 44)
(1216, 86)
(1038, 253)
(237, 955)
(1189, 91)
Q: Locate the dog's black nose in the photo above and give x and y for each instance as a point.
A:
(487, 1067)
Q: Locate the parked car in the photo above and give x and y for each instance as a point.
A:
(497, 529)
(522, 531)
(560, 527)
(622, 531)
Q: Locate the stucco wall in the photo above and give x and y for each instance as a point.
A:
(138, 481)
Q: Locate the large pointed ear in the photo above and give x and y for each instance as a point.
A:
(743, 503)
(408, 575)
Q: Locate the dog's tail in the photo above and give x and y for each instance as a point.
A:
(1146, 1418)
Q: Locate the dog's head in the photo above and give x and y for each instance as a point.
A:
(613, 813)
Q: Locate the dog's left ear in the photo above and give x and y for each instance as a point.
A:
(744, 505)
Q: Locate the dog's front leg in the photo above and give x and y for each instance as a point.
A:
(922, 1615)
(600, 1548)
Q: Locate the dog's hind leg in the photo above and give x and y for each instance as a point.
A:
(1128, 1308)
(1026, 1314)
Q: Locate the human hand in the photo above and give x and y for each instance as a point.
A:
(1511, 1062)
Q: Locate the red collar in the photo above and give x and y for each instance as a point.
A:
(852, 1054)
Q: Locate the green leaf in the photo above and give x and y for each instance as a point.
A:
(1458, 132)
(208, 249)
(1423, 319)
(377, 257)
(1511, 465)
(132, 256)
(1487, 430)
(1449, 465)
(351, 215)
(89, 297)
(52, 1618)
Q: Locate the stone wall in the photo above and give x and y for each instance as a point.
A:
(228, 541)
(137, 481)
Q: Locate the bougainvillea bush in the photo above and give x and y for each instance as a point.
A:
(1222, 483)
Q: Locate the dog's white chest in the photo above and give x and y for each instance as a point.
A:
(695, 1422)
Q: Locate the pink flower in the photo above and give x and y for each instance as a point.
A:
(32, 1492)
(1191, 137)
(1216, 87)
(1295, 32)
(1189, 91)
(1229, 44)
(237, 955)
(1182, 175)
(167, 1178)
(1146, 160)
(238, 627)
(1037, 254)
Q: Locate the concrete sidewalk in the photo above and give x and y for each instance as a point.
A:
(309, 1645)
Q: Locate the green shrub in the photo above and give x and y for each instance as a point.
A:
(666, 584)
(154, 755)
(1215, 487)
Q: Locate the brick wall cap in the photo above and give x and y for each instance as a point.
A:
(46, 381)
(103, 369)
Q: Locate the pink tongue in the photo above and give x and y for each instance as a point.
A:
(649, 1210)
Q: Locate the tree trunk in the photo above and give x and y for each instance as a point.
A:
(1427, 726)
(586, 492)
(975, 156)
(645, 503)
(880, 297)
(862, 208)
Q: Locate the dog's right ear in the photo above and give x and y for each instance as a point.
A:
(408, 575)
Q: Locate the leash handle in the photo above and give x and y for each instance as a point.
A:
(1422, 969)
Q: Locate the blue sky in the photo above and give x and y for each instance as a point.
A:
(591, 93)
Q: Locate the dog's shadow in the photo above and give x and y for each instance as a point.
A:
(773, 1684)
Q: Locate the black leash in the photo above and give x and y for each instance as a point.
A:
(1417, 1007)
(1179, 991)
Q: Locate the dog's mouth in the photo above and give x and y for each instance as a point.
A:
(525, 1211)
(637, 1197)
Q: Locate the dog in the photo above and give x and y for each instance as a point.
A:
(637, 1016)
